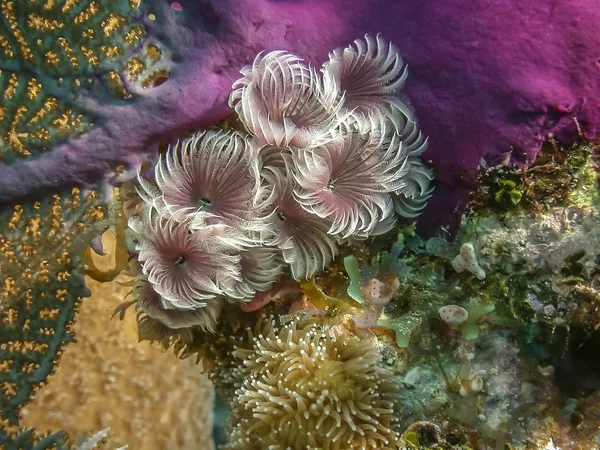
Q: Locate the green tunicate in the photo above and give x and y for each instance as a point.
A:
(353, 271)
(403, 327)
(507, 184)
(470, 329)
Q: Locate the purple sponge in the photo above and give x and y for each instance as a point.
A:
(488, 80)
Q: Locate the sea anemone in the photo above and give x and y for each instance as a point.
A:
(348, 179)
(185, 267)
(151, 304)
(282, 102)
(311, 386)
(207, 178)
(370, 74)
(301, 236)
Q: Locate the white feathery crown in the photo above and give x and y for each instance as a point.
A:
(329, 156)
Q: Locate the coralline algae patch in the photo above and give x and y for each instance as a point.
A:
(107, 379)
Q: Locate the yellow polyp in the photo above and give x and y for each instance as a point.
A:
(52, 58)
(112, 23)
(156, 78)
(10, 316)
(13, 83)
(111, 51)
(153, 52)
(42, 135)
(90, 56)
(134, 34)
(68, 52)
(68, 5)
(40, 23)
(8, 10)
(33, 228)
(33, 89)
(134, 67)
(16, 217)
(116, 84)
(50, 104)
(9, 389)
(61, 294)
(5, 366)
(5, 46)
(9, 287)
(90, 11)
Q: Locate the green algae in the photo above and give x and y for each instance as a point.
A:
(507, 193)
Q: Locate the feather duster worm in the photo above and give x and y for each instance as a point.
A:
(348, 179)
(301, 236)
(260, 268)
(370, 74)
(208, 178)
(185, 267)
(283, 102)
(153, 306)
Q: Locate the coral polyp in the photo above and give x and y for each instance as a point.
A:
(312, 386)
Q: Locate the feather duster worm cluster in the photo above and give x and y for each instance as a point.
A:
(198, 233)
(311, 386)
(329, 156)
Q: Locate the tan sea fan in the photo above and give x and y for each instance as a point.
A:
(312, 387)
